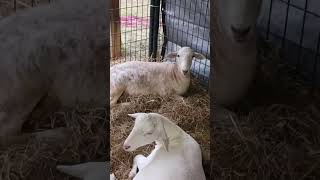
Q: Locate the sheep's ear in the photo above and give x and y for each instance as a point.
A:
(135, 115)
(171, 55)
(164, 137)
(198, 55)
(166, 144)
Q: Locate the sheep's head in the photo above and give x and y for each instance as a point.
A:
(238, 17)
(148, 127)
(184, 58)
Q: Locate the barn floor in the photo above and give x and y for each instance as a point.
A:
(275, 133)
(191, 113)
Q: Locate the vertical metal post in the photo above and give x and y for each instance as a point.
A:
(15, 5)
(269, 20)
(151, 21)
(154, 27)
(115, 29)
(165, 39)
(302, 34)
(315, 66)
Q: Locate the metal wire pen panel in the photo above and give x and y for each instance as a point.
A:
(187, 23)
(147, 30)
(130, 29)
(295, 26)
(8, 7)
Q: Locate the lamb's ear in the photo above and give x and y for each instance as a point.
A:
(198, 55)
(164, 137)
(171, 55)
(135, 115)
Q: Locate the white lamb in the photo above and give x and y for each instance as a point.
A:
(142, 78)
(176, 155)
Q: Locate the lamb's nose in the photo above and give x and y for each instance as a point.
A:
(185, 72)
(126, 147)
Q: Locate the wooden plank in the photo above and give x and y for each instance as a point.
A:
(115, 29)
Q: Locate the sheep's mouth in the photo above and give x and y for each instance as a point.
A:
(240, 34)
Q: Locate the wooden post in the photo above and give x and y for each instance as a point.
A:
(115, 29)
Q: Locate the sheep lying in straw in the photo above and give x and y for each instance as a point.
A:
(45, 60)
(176, 155)
(142, 78)
(88, 171)
(236, 50)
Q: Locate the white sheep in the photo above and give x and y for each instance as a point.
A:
(161, 78)
(88, 171)
(46, 64)
(176, 155)
(235, 60)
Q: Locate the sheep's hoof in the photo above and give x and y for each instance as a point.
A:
(132, 173)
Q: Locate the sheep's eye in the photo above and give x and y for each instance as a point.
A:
(149, 133)
(178, 55)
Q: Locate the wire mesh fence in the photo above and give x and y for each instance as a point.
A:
(187, 23)
(295, 27)
(147, 30)
(8, 7)
(130, 30)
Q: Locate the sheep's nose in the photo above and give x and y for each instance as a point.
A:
(126, 147)
(240, 33)
(185, 72)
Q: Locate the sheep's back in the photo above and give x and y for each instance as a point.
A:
(141, 77)
(173, 165)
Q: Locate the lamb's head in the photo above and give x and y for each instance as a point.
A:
(148, 128)
(238, 18)
(184, 58)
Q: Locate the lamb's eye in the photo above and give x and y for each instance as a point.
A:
(178, 55)
(149, 133)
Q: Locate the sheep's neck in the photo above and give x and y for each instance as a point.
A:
(179, 82)
(234, 67)
(174, 72)
(175, 134)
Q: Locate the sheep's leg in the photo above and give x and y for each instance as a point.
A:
(222, 114)
(115, 94)
(139, 162)
(52, 136)
(10, 125)
(112, 177)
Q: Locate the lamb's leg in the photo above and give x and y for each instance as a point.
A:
(139, 162)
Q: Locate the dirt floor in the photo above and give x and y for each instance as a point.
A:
(190, 113)
(275, 132)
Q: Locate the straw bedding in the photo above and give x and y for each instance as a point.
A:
(84, 140)
(275, 133)
(190, 113)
